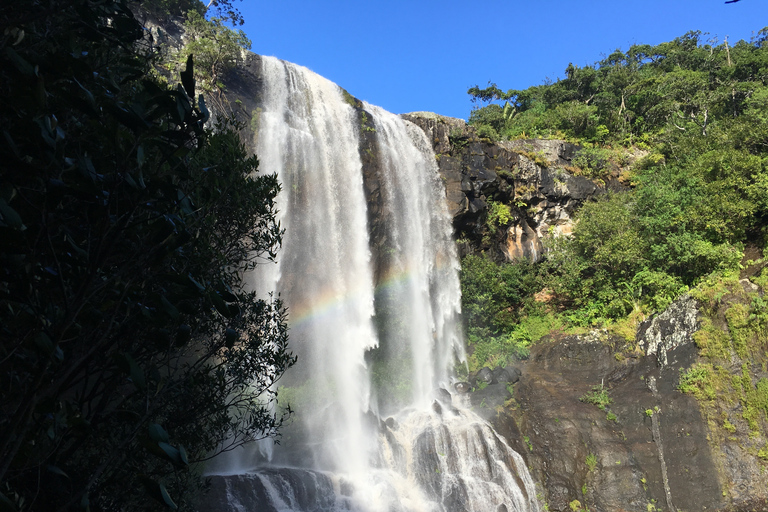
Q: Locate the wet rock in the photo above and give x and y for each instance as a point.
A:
(559, 497)
(462, 387)
(442, 394)
(673, 328)
(484, 375)
(614, 454)
(510, 374)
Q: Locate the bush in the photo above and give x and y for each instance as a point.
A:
(593, 161)
(499, 215)
(487, 132)
(598, 396)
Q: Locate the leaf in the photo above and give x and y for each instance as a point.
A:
(44, 343)
(203, 109)
(230, 337)
(157, 433)
(183, 106)
(169, 308)
(183, 335)
(183, 455)
(85, 503)
(197, 284)
(57, 471)
(22, 65)
(169, 452)
(167, 498)
(158, 492)
(140, 155)
(9, 216)
(219, 304)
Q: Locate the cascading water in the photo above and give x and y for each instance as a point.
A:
(373, 321)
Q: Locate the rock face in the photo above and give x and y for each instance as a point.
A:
(529, 177)
(671, 329)
(650, 448)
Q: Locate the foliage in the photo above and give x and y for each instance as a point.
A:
(487, 132)
(591, 462)
(696, 203)
(495, 299)
(499, 215)
(216, 47)
(700, 109)
(696, 381)
(592, 161)
(598, 396)
(163, 8)
(685, 86)
(224, 10)
(130, 351)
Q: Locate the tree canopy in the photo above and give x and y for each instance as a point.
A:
(131, 351)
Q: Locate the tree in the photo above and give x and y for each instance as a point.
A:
(216, 47)
(131, 352)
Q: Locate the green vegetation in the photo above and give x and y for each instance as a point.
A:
(216, 47)
(591, 462)
(598, 396)
(698, 112)
(502, 318)
(499, 215)
(131, 352)
(733, 329)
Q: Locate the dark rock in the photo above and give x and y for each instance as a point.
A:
(559, 496)
(514, 374)
(484, 375)
(542, 196)
(510, 374)
(462, 387)
(563, 431)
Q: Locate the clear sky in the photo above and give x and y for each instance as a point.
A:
(408, 55)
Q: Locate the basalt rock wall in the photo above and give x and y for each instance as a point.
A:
(532, 180)
(650, 447)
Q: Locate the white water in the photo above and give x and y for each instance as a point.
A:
(376, 331)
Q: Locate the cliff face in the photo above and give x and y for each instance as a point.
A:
(528, 179)
(602, 421)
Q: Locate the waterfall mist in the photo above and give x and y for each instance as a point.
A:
(374, 303)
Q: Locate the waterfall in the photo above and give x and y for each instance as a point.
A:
(374, 303)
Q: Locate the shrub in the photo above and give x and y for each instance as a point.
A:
(598, 396)
(592, 161)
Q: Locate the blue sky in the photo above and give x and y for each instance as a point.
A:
(424, 54)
